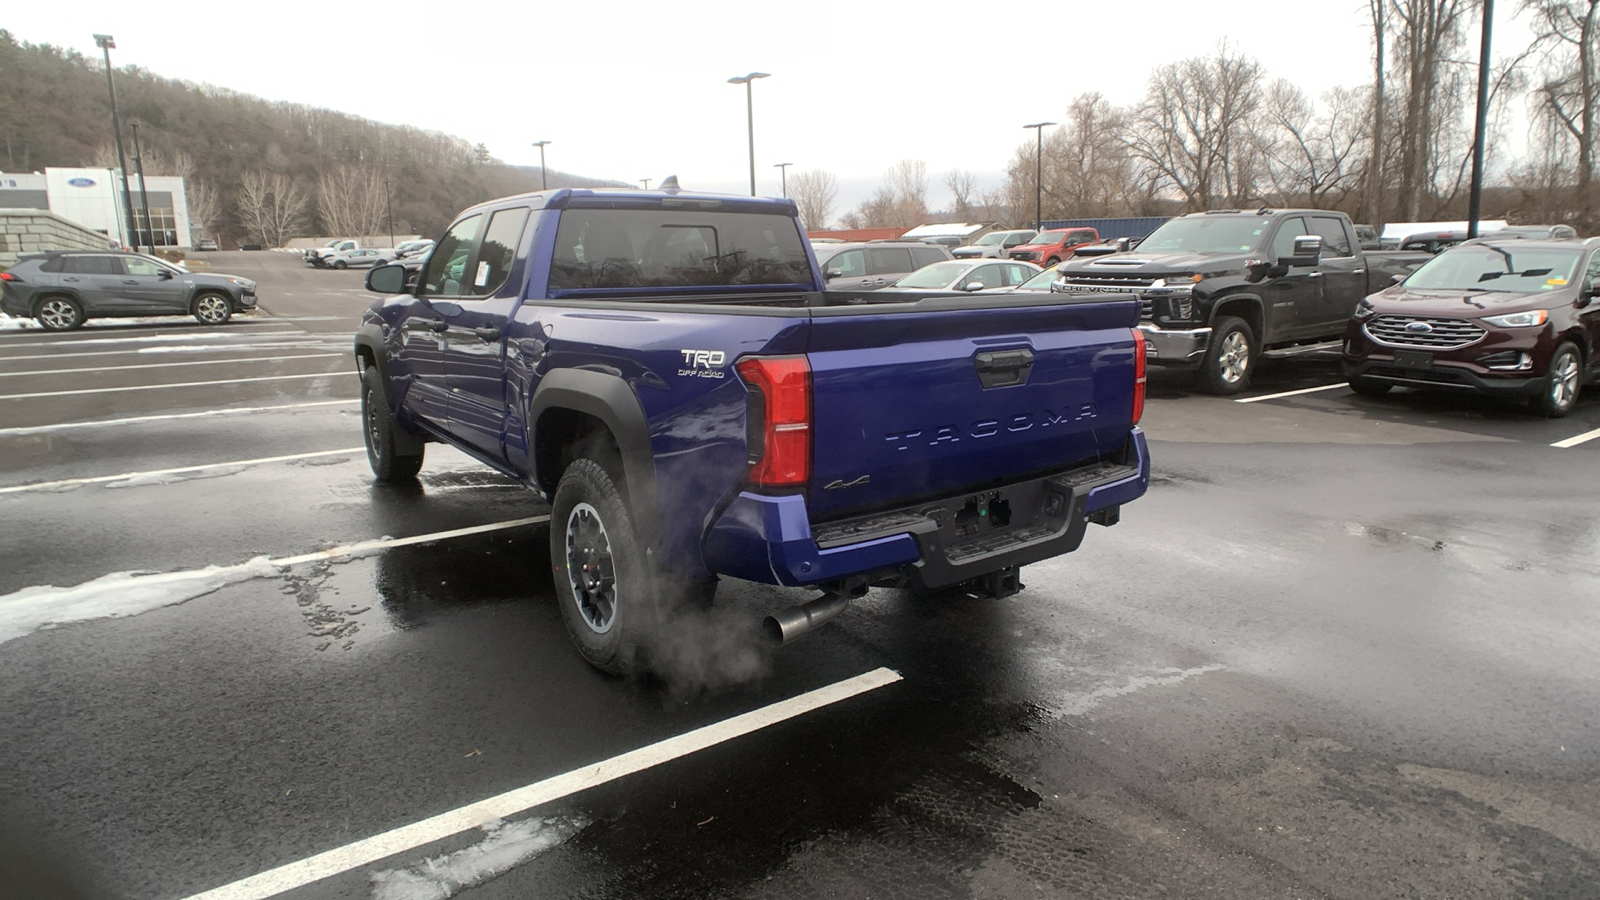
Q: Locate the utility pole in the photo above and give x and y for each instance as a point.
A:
(1038, 174)
(1475, 203)
(107, 43)
(144, 193)
(388, 205)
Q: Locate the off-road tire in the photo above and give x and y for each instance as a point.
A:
(58, 313)
(1230, 357)
(1562, 382)
(610, 600)
(388, 451)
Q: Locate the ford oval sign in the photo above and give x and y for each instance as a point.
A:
(81, 182)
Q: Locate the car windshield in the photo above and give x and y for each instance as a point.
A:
(935, 276)
(1489, 268)
(1039, 282)
(990, 239)
(1048, 237)
(1208, 234)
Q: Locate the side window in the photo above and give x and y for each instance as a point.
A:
(446, 275)
(1334, 240)
(56, 264)
(1017, 240)
(924, 256)
(143, 267)
(888, 260)
(1283, 244)
(499, 250)
(92, 265)
(988, 276)
(1594, 271)
(850, 263)
(1018, 274)
(1083, 237)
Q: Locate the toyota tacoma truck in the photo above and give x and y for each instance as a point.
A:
(1217, 289)
(666, 369)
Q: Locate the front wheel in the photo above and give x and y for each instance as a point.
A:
(1229, 357)
(213, 309)
(339, 264)
(1561, 383)
(388, 451)
(1369, 387)
(1052, 261)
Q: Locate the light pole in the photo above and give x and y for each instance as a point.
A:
(388, 205)
(106, 42)
(144, 194)
(783, 174)
(1475, 195)
(544, 181)
(1038, 174)
(646, 182)
(750, 118)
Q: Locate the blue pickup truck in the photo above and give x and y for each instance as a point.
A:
(667, 369)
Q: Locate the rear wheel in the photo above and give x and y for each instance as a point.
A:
(1561, 383)
(388, 451)
(602, 579)
(213, 309)
(59, 313)
(1229, 357)
(339, 264)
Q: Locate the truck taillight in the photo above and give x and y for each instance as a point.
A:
(780, 419)
(1138, 375)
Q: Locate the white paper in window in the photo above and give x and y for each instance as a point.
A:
(483, 275)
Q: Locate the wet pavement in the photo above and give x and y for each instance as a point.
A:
(1345, 648)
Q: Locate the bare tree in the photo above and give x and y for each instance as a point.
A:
(350, 201)
(1088, 171)
(1568, 34)
(963, 185)
(1192, 128)
(205, 205)
(1429, 35)
(902, 201)
(815, 192)
(271, 207)
(1311, 157)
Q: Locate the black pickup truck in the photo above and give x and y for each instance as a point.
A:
(1219, 288)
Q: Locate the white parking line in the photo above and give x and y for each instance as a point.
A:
(1326, 387)
(301, 342)
(181, 384)
(409, 837)
(169, 365)
(101, 479)
(1578, 439)
(145, 337)
(230, 411)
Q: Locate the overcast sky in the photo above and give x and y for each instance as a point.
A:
(632, 90)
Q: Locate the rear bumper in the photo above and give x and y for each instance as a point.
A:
(1168, 347)
(941, 542)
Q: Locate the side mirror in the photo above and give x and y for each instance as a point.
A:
(389, 279)
(972, 286)
(164, 274)
(1588, 295)
(1124, 245)
(831, 274)
(1397, 277)
(1307, 252)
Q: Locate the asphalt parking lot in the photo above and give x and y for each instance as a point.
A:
(1346, 647)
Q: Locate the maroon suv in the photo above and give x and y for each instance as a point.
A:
(1498, 316)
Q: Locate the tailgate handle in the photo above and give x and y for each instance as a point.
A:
(1003, 368)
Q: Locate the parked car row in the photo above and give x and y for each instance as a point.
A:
(345, 253)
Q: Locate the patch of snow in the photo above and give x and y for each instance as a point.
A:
(175, 477)
(506, 847)
(12, 323)
(117, 595)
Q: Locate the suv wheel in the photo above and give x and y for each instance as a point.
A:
(602, 579)
(59, 313)
(213, 309)
(1229, 357)
(1561, 383)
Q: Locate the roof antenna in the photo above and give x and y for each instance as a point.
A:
(669, 184)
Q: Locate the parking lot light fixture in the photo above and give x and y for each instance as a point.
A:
(1038, 173)
(750, 118)
(646, 182)
(106, 43)
(544, 181)
(783, 175)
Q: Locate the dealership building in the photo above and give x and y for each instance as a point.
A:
(92, 199)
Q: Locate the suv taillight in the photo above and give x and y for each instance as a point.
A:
(7, 276)
(779, 419)
(1138, 375)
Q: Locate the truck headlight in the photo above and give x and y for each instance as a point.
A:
(1519, 320)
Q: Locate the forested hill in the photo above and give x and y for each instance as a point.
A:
(255, 168)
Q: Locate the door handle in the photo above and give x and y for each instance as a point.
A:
(434, 325)
(1314, 275)
(487, 333)
(70, 279)
(130, 281)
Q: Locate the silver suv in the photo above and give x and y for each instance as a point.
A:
(875, 264)
(994, 245)
(63, 288)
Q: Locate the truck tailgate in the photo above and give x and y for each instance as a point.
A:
(920, 403)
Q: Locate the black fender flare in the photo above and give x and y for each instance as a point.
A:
(1253, 300)
(370, 338)
(608, 398)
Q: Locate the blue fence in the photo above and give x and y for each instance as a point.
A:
(1112, 228)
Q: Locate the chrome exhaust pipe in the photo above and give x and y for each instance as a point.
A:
(788, 625)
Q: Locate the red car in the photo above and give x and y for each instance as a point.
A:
(1505, 317)
(1050, 247)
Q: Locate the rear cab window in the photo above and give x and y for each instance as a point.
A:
(677, 248)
